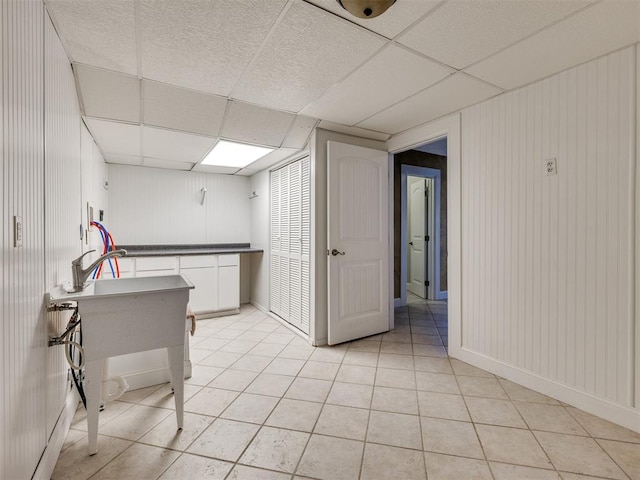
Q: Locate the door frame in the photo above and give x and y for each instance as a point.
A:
(433, 225)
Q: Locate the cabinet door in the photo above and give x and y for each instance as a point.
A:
(228, 287)
(204, 297)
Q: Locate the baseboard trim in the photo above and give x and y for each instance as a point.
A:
(156, 376)
(259, 306)
(49, 458)
(624, 416)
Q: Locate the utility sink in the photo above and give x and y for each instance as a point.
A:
(129, 315)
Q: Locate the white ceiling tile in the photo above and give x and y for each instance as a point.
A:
(450, 95)
(600, 29)
(258, 125)
(115, 137)
(182, 109)
(462, 32)
(272, 158)
(88, 30)
(215, 169)
(376, 85)
(309, 51)
(166, 164)
(175, 146)
(355, 131)
(122, 159)
(108, 94)
(299, 132)
(392, 22)
(202, 44)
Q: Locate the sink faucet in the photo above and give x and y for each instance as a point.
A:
(80, 275)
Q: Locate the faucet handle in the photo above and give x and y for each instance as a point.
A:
(78, 261)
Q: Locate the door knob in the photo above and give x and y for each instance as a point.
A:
(335, 252)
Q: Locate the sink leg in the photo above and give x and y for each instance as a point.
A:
(93, 389)
(176, 363)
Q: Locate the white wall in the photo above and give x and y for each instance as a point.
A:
(40, 178)
(156, 206)
(548, 261)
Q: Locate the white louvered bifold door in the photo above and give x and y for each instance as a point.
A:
(290, 243)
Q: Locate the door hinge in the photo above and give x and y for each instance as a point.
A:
(426, 283)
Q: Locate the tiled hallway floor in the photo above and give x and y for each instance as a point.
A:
(262, 404)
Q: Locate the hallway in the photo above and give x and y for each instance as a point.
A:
(263, 404)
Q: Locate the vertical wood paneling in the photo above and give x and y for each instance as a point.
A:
(62, 214)
(23, 334)
(547, 259)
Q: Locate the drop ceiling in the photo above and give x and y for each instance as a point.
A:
(161, 81)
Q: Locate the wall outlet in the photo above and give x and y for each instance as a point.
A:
(550, 167)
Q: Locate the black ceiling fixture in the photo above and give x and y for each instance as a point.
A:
(366, 8)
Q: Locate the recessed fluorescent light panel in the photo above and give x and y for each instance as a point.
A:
(232, 154)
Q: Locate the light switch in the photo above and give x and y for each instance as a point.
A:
(17, 231)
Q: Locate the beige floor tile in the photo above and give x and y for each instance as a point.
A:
(309, 389)
(198, 354)
(236, 380)
(329, 354)
(136, 396)
(493, 411)
(295, 415)
(437, 382)
(75, 463)
(385, 462)
(252, 363)
(462, 368)
(319, 370)
(387, 377)
(275, 449)
(164, 398)
(135, 422)
(433, 365)
(167, 435)
(450, 437)
(224, 439)
(366, 345)
(396, 337)
(72, 437)
(296, 352)
(210, 401)
(425, 330)
(111, 411)
(252, 336)
(138, 461)
(356, 357)
(577, 476)
(523, 394)
(429, 350)
(267, 349)
(242, 472)
(601, 428)
(512, 445)
(549, 418)
(284, 366)
(345, 455)
(443, 405)
(395, 429)
(238, 346)
(202, 375)
(426, 339)
(481, 387)
(399, 362)
(583, 455)
(270, 384)
(229, 333)
(193, 466)
(356, 374)
(221, 359)
(211, 344)
(395, 400)
(396, 348)
(250, 408)
(626, 455)
(502, 471)
(279, 338)
(345, 422)
(350, 395)
(447, 467)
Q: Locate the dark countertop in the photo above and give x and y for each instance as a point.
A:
(188, 249)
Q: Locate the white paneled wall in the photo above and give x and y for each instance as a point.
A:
(547, 261)
(156, 206)
(22, 361)
(62, 215)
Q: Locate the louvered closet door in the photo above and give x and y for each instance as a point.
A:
(290, 243)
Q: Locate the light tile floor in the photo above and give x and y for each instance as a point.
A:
(263, 404)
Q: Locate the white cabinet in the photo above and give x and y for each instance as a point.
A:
(201, 270)
(228, 282)
(156, 266)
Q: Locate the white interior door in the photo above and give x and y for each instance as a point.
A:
(417, 233)
(358, 247)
